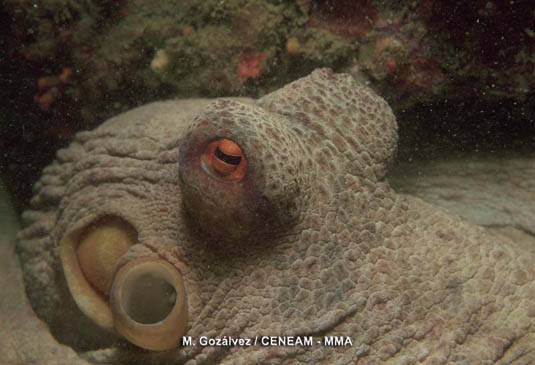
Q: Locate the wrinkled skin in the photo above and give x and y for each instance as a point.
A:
(312, 241)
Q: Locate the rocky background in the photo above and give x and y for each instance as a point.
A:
(460, 76)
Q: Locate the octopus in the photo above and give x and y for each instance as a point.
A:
(238, 231)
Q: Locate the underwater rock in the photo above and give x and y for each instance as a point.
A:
(126, 53)
(265, 218)
(487, 190)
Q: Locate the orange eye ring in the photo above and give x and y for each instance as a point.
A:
(225, 159)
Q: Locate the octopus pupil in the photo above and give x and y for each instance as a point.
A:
(231, 160)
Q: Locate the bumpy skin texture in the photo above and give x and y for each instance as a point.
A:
(325, 246)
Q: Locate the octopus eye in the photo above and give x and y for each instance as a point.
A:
(228, 159)
(224, 159)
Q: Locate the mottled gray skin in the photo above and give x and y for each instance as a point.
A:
(325, 246)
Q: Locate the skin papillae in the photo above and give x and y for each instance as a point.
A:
(312, 241)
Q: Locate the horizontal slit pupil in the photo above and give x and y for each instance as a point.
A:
(231, 160)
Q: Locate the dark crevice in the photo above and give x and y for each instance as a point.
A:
(452, 128)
